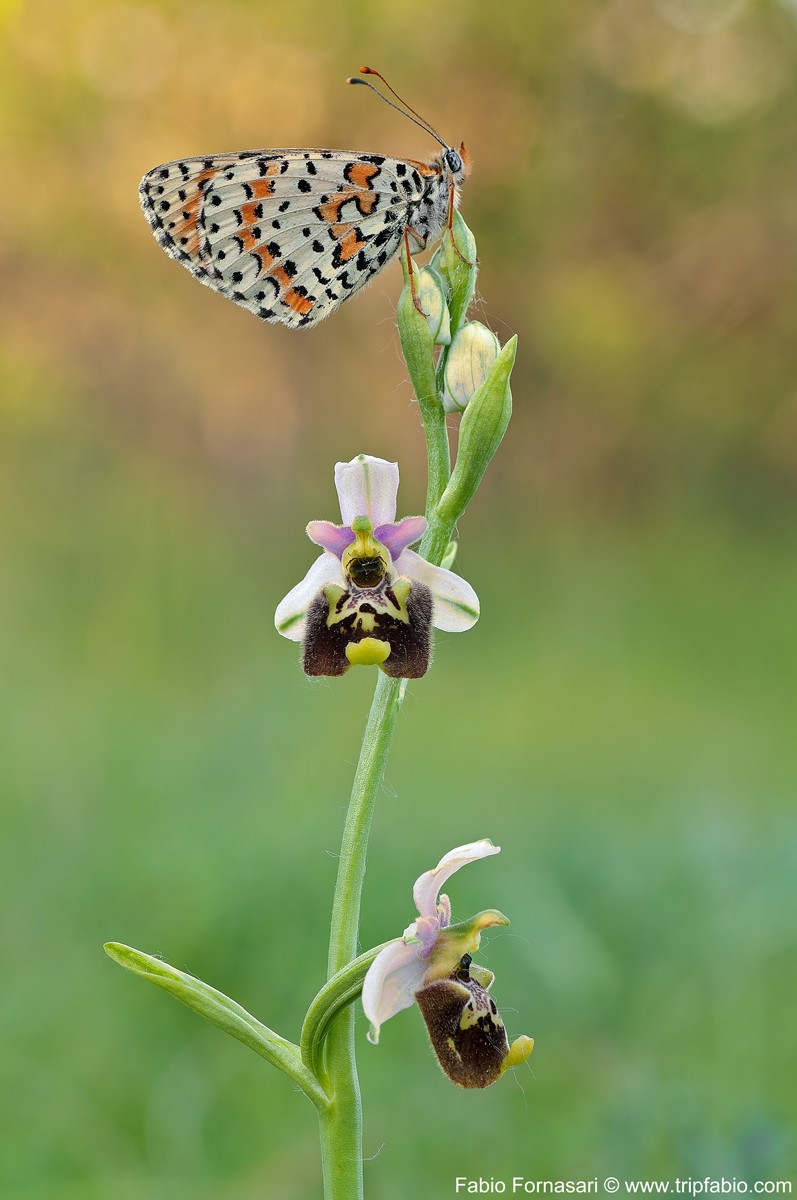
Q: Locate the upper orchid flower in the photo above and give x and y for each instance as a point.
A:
(368, 598)
(432, 965)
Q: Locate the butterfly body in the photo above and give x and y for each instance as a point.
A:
(291, 234)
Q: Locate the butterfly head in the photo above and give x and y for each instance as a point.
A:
(456, 163)
(453, 163)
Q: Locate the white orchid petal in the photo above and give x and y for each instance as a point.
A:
(390, 985)
(429, 884)
(456, 605)
(290, 617)
(367, 487)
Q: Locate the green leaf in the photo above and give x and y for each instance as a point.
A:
(336, 993)
(222, 1011)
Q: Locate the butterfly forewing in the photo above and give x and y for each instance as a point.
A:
(287, 234)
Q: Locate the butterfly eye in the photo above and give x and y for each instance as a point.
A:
(453, 161)
(367, 572)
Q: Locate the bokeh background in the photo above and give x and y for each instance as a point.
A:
(621, 720)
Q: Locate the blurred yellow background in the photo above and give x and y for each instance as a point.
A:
(621, 720)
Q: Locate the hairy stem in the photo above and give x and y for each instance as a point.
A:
(341, 1121)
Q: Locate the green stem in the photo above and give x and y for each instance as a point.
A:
(438, 452)
(341, 1121)
(439, 531)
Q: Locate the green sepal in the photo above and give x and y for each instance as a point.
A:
(461, 938)
(458, 270)
(342, 989)
(432, 293)
(448, 559)
(481, 430)
(222, 1011)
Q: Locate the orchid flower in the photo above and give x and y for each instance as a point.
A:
(432, 965)
(369, 599)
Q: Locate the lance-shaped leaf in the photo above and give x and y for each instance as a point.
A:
(220, 1010)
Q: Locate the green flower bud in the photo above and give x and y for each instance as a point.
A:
(417, 341)
(455, 259)
(432, 299)
(481, 430)
(469, 361)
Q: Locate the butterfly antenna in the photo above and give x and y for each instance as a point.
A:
(379, 75)
(416, 118)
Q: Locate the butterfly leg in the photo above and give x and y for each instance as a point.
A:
(407, 231)
(450, 223)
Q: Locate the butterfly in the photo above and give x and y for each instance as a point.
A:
(291, 234)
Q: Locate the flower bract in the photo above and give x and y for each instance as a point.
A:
(369, 599)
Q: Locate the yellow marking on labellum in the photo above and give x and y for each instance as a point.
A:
(333, 593)
(370, 652)
(401, 590)
(471, 1016)
(452, 1045)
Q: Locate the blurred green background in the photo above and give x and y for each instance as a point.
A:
(622, 718)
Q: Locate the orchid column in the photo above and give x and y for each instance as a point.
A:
(371, 600)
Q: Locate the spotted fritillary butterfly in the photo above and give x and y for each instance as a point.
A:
(291, 234)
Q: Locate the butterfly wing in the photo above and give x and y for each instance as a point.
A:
(287, 234)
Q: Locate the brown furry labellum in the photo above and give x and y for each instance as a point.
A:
(465, 1027)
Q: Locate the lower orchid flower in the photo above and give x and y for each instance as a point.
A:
(369, 599)
(432, 965)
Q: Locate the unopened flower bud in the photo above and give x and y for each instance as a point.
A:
(432, 299)
(470, 359)
(481, 430)
(417, 342)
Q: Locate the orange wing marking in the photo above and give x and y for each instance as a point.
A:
(365, 201)
(348, 241)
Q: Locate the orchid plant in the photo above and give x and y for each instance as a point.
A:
(369, 599)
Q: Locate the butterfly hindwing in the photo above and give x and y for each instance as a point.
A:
(287, 234)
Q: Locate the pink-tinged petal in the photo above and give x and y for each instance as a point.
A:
(290, 617)
(390, 985)
(367, 487)
(334, 538)
(428, 885)
(424, 933)
(398, 537)
(456, 605)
